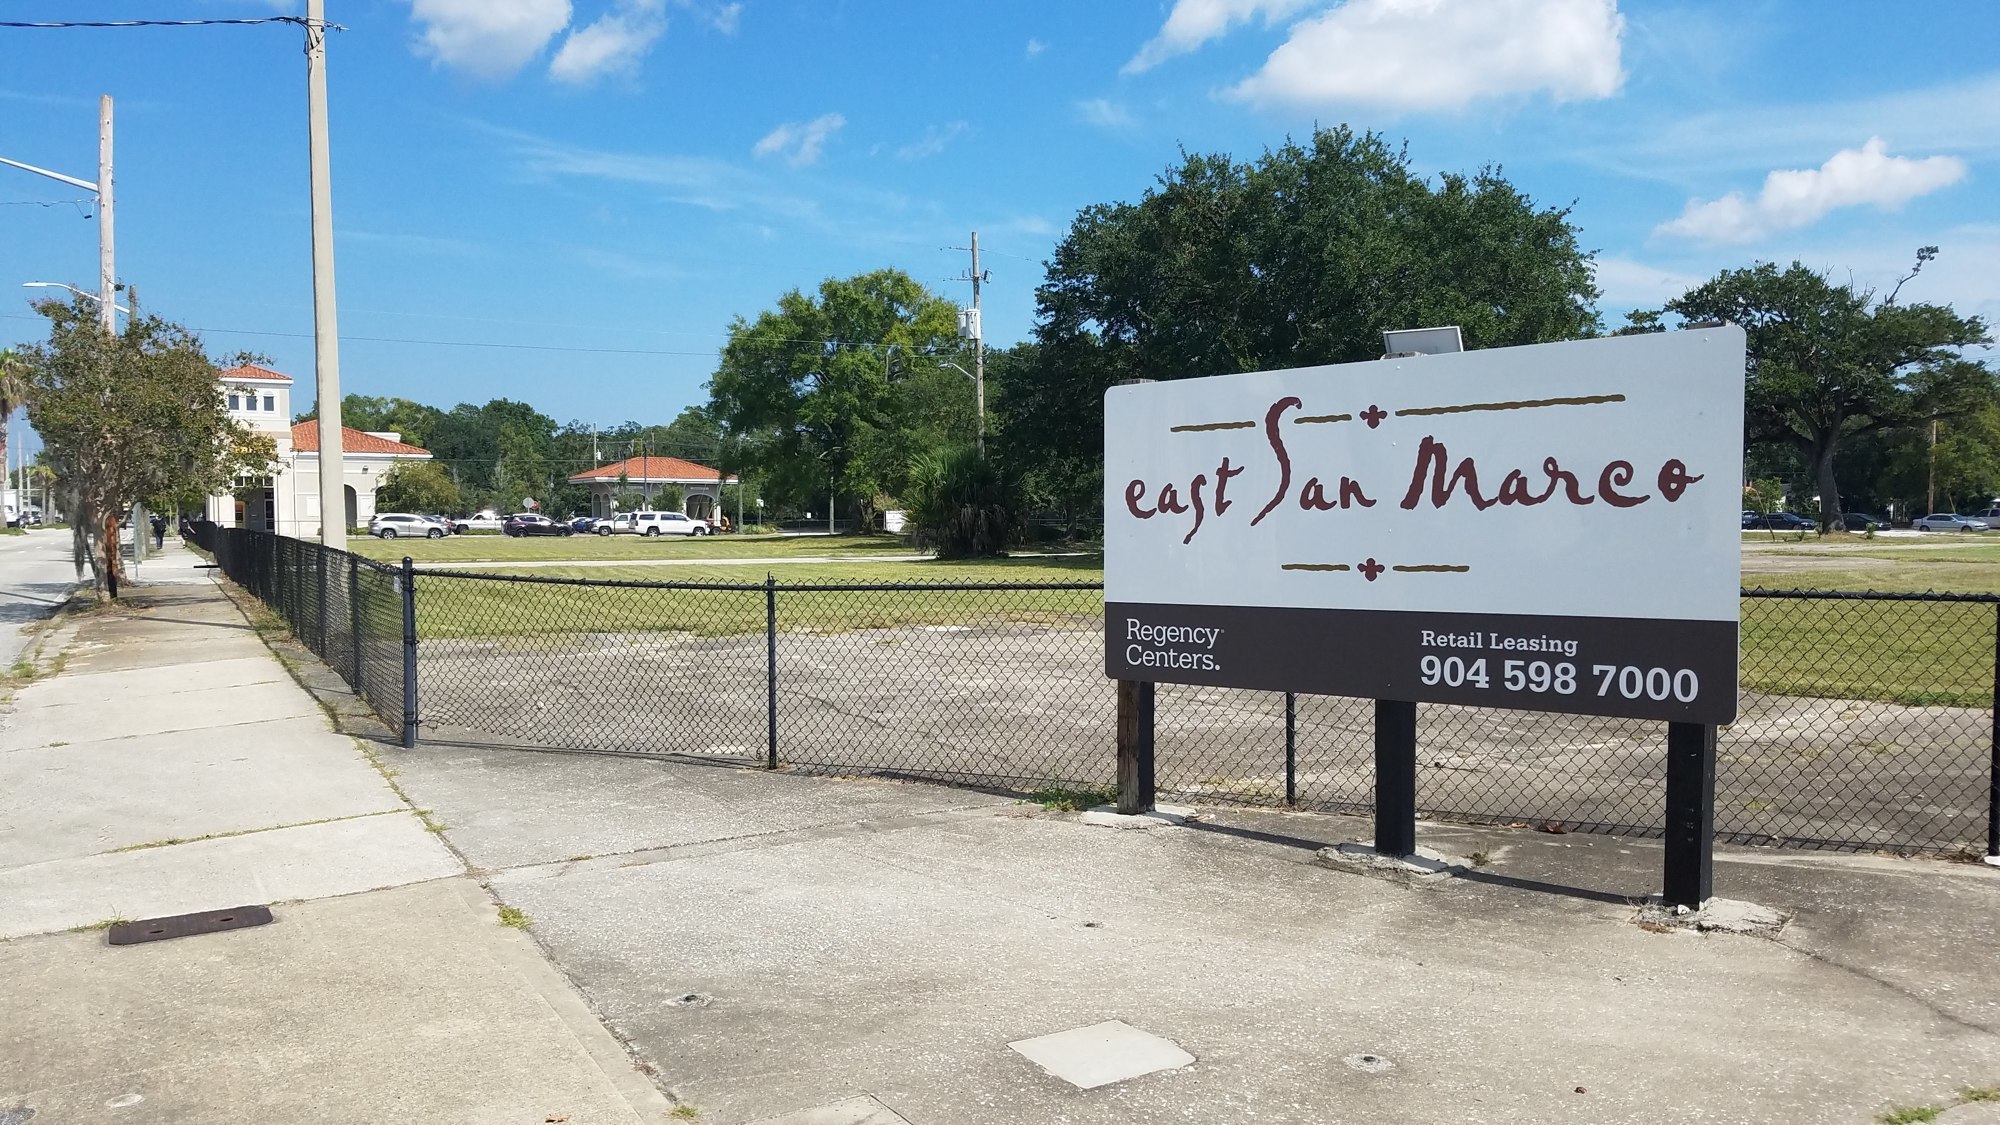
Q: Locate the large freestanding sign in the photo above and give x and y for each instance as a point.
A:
(1552, 527)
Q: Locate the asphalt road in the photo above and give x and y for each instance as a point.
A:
(35, 576)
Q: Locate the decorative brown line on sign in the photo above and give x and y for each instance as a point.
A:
(1315, 566)
(1205, 427)
(1582, 400)
(1434, 569)
(1315, 418)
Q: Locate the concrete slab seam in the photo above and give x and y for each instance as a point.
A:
(610, 1054)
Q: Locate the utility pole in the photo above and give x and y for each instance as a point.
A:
(326, 333)
(969, 327)
(1930, 485)
(107, 318)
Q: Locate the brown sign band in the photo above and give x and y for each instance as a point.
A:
(1678, 671)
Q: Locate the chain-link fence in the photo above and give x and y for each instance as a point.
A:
(1866, 720)
(345, 608)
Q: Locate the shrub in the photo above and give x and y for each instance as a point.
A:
(960, 505)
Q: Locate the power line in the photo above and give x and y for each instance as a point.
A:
(837, 344)
(300, 21)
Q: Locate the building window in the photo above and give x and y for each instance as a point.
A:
(235, 402)
(270, 404)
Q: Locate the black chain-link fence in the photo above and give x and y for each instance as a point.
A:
(345, 608)
(1866, 721)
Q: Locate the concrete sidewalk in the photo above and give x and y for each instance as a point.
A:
(170, 764)
(792, 950)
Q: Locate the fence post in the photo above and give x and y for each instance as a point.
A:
(771, 669)
(1291, 749)
(1993, 765)
(409, 653)
(354, 623)
(1690, 860)
(320, 625)
(1136, 791)
(1395, 777)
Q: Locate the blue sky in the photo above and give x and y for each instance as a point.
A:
(603, 184)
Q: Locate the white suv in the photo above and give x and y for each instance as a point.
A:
(392, 525)
(663, 523)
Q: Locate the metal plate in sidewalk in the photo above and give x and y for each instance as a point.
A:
(188, 925)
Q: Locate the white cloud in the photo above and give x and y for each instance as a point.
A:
(800, 143)
(488, 38)
(612, 45)
(726, 18)
(934, 140)
(1443, 54)
(1194, 22)
(1105, 113)
(1034, 47)
(1626, 283)
(1795, 198)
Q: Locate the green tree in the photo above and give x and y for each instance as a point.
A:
(130, 415)
(418, 486)
(16, 387)
(1302, 256)
(1829, 362)
(961, 505)
(809, 397)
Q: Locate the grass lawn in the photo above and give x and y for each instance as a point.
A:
(469, 607)
(499, 548)
(1936, 653)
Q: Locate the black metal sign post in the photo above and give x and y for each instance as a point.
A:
(1690, 859)
(1395, 777)
(1135, 747)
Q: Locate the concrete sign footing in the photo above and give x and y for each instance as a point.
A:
(1162, 816)
(1422, 866)
(1717, 915)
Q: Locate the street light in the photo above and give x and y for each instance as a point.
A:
(982, 400)
(84, 293)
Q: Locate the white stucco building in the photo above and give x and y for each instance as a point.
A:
(700, 486)
(286, 499)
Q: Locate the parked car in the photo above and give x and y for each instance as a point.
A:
(399, 525)
(1947, 521)
(1780, 521)
(1859, 521)
(441, 520)
(528, 523)
(613, 525)
(666, 523)
(583, 525)
(488, 520)
(1990, 517)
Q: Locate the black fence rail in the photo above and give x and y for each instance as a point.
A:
(349, 610)
(1866, 721)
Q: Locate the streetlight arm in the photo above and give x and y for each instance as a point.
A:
(84, 293)
(957, 368)
(70, 180)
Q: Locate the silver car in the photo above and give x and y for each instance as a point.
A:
(1947, 521)
(398, 525)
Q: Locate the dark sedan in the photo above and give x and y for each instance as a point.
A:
(1862, 521)
(527, 523)
(1779, 521)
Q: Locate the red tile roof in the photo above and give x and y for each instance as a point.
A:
(650, 469)
(305, 439)
(252, 371)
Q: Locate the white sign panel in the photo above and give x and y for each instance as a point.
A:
(1552, 527)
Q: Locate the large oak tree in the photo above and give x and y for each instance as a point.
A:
(1301, 256)
(1828, 362)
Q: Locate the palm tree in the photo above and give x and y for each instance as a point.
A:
(15, 391)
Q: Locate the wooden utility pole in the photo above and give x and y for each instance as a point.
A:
(326, 330)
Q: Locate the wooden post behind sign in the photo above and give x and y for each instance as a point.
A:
(1135, 747)
(1690, 861)
(1395, 777)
